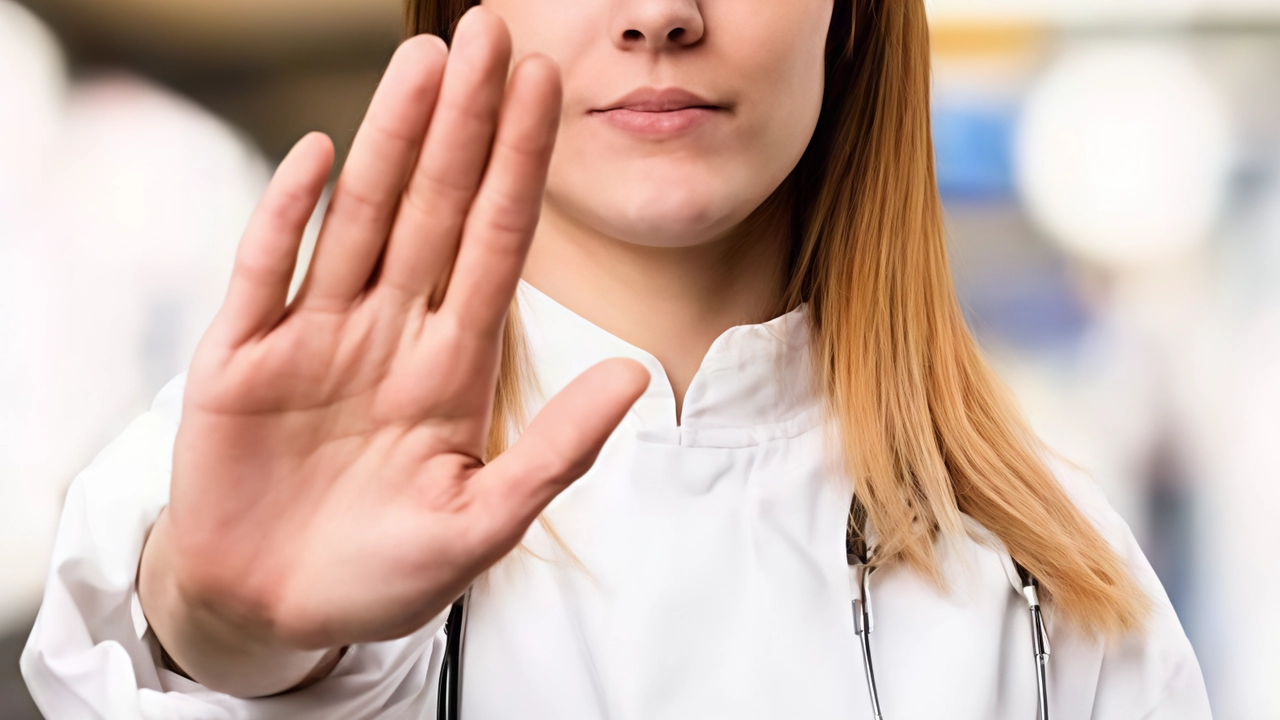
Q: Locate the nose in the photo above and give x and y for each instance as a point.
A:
(657, 25)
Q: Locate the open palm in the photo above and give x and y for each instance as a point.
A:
(328, 484)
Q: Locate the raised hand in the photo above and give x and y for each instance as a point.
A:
(328, 487)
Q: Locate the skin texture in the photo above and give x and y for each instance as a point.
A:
(326, 486)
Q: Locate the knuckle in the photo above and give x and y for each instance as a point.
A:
(287, 204)
(433, 193)
(506, 215)
(353, 200)
(255, 266)
(528, 146)
(399, 138)
(498, 530)
(468, 122)
(553, 465)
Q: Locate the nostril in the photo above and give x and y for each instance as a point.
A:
(676, 34)
(632, 35)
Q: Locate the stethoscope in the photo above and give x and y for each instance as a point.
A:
(864, 622)
(859, 556)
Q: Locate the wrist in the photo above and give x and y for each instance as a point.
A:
(233, 656)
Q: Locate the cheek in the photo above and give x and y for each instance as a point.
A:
(568, 31)
(778, 57)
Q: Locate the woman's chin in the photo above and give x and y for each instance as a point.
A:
(670, 229)
(673, 216)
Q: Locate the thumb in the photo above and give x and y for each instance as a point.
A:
(561, 444)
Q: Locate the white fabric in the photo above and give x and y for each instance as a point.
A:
(708, 579)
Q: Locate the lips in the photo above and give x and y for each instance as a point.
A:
(659, 112)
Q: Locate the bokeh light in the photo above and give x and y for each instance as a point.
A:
(1123, 152)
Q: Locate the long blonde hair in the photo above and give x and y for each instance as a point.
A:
(928, 432)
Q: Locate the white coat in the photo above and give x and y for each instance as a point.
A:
(710, 581)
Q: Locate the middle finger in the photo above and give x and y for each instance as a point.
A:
(424, 239)
(368, 191)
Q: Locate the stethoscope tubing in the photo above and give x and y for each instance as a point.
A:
(449, 701)
(862, 625)
(1039, 637)
(448, 705)
(1039, 640)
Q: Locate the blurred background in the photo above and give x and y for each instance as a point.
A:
(1111, 170)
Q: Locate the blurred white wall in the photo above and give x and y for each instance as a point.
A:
(120, 208)
(1093, 11)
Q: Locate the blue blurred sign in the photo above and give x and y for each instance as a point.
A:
(974, 148)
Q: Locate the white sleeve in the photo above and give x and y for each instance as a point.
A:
(91, 654)
(1154, 673)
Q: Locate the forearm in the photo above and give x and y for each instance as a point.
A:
(223, 655)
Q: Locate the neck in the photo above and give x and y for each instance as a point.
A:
(671, 302)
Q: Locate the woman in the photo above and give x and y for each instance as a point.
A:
(735, 316)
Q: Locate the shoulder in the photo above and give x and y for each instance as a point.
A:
(1154, 672)
(1088, 496)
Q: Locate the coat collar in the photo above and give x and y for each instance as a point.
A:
(755, 384)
